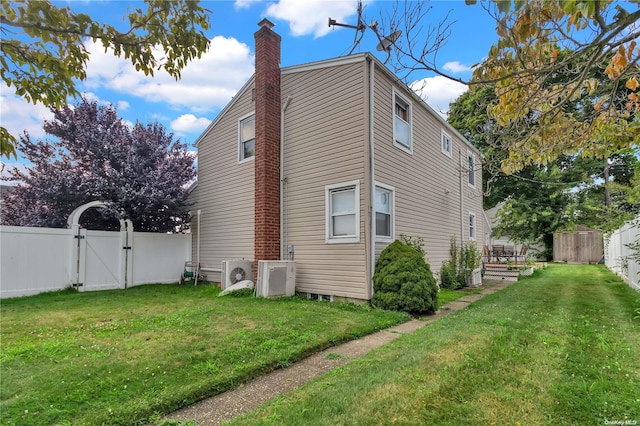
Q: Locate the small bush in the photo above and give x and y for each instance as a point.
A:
(454, 272)
(448, 276)
(403, 281)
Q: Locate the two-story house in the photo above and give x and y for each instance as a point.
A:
(326, 163)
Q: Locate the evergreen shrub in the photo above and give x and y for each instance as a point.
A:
(403, 281)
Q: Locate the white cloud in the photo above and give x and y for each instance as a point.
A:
(189, 123)
(207, 83)
(122, 105)
(92, 97)
(439, 92)
(456, 67)
(310, 16)
(244, 4)
(18, 115)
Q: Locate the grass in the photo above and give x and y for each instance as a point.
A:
(446, 295)
(558, 348)
(127, 357)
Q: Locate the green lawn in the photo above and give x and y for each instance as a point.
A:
(445, 295)
(559, 348)
(123, 357)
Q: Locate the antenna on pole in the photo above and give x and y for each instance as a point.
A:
(360, 28)
(385, 43)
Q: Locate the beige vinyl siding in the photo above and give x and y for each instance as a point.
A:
(225, 191)
(325, 137)
(427, 182)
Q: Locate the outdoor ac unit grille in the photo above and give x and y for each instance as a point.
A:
(276, 278)
(237, 275)
(234, 271)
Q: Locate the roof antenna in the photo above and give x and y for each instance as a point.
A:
(360, 28)
(384, 44)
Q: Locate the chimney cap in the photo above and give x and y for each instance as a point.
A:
(265, 23)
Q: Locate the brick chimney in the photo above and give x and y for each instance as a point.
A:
(267, 148)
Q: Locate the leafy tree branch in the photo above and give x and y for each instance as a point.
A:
(539, 40)
(44, 50)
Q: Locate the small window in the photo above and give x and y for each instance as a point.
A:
(446, 144)
(343, 212)
(247, 138)
(402, 123)
(472, 226)
(384, 200)
(471, 169)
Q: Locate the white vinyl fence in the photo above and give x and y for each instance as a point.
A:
(37, 260)
(619, 256)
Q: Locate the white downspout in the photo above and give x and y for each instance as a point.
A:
(198, 239)
(461, 198)
(372, 210)
(284, 211)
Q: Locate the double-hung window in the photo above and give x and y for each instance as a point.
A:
(446, 143)
(343, 212)
(472, 226)
(471, 169)
(402, 123)
(246, 137)
(383, 203)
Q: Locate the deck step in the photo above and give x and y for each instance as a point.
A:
(499, 278)
(500, 272)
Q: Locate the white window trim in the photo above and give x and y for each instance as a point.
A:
(444, 134)
(470, 155)
(327, 199)
(475, 226)
(240, 159)
(407, 149)
(383, 239)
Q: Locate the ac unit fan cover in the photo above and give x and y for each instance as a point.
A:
(237, 275)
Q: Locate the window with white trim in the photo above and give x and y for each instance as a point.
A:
(445, 143)
(246, 137)
(402, 123)
(471, 169)
(384, 208)
(343, 212)
(472, 226)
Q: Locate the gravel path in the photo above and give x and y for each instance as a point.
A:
(214, 410)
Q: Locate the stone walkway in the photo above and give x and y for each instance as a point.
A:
(214, 410)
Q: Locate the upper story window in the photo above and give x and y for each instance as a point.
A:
(446, 143)
(384, 207)
(402, 131)
(343, 212)
(471, 169)
(246, 137)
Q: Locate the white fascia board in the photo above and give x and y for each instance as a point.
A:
(333, 62)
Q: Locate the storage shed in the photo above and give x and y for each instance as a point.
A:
(580, 245)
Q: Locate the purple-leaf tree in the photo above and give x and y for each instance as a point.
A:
(141, 172)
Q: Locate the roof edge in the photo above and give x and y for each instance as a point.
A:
(222, 112)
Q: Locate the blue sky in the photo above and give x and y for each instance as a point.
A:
(187, 106)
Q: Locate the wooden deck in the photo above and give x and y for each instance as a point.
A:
(509, 272)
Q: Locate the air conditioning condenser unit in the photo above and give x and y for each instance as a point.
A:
(276, 278)
(234, 271)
